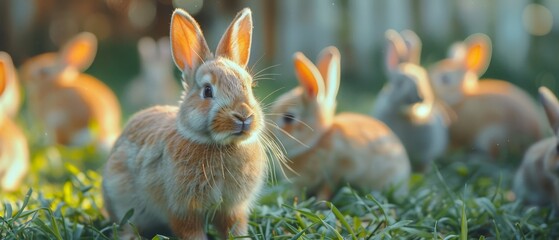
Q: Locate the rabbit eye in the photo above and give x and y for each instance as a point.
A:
(288, 118)
(445, 78)
(208, 92)
(557, 148)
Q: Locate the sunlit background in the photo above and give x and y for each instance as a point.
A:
(524, 33)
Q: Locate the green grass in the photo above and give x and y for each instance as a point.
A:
(461, 200)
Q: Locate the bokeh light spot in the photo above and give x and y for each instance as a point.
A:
(191, 6)
(537, 19)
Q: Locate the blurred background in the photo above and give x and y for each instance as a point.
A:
(524, 33)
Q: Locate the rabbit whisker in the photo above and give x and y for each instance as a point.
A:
(295, 119)
(288, 134)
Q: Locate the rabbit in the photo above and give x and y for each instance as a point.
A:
(492, 116)
(14, 150)
(75, 109)
(326, 150)
(537, 179)
(156, 84)
(407, 104)
(178, 165)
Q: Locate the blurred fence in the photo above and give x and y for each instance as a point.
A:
(525, 33)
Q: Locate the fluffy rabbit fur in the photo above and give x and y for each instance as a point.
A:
(493, 116)
(407, 104)
(75, 109)
(537, 180)
(156, 84)
(14, 152)
(327, 151)
(177, 166)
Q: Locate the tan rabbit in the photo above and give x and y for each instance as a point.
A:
(327, 151)
(74, 108)
(11, 98)
(537, 180)
(493, 116)
(156, 84)
(14, 151)
(178, 166)
(407, 103)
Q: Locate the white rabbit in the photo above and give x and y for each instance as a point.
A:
(177, 166)
(537, 180)
(407, 104)
(14, 150)
(327, 151)
(156, 84)
(74, 108)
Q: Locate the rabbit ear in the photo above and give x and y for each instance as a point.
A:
(309, 77)
(188, 45)
(80, 51)
(457, 51)
(478, 53)
(413, 44)
(329, 68)
(395, 49)
(551, 107)
(147, 49)
(236, 41)
(6, 71)
(3, 76)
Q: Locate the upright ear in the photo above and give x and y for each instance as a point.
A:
(329, 68)
(3, 77)
(188, 45)
(80, 51)
(395, 49)
(309, 77)
(413, 44)
(457, 51)
(478, 53)
(236, 41)
(6, 71)
(551, 107)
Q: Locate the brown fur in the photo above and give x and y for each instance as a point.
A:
(67, 102)
(327, 150)
(492, 115)
(203, 158)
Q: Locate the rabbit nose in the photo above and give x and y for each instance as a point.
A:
(243, 123)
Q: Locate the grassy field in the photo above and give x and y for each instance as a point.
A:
(455, 200)
(462, 197)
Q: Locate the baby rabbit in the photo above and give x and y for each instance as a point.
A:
(74, 108)
(14, 151)
(537, 180)
(327, 151)
(156, 84)
(491, 114)
(176, 166)
(407, 104)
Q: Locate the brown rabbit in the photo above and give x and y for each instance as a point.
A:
(74, 108)
(14, 151)
(537, 180)
(493, 116)
(177, 166)
(327, 150)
